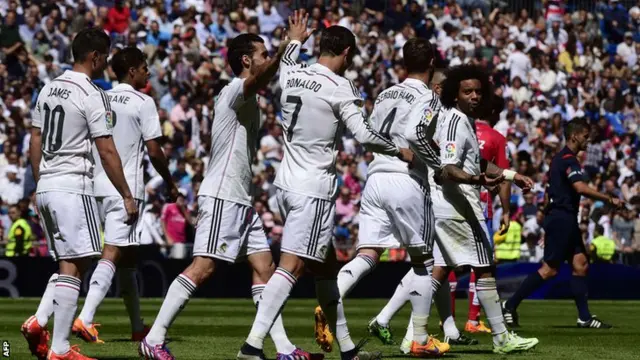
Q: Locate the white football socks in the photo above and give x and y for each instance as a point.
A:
(274, 296)
(443, 304)
(98, 287)
(277, 333)
(45, 308)
(352, 272)
(397, 301)
(131, 297)
(487, 294)
(180, 291)
(420, 297)
(65, 304)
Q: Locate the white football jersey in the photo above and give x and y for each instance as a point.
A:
(456, 137)
(135, 120)
(233, 145)
(390, 117)
(317, 104)
(71, 111)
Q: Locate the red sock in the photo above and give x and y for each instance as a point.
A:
(474, 304)
(453, 284)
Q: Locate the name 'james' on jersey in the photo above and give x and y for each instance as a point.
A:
(317, 104)
(71, 111)
(390, 117)
(135, 120)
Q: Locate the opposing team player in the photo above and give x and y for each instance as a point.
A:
(317, 104)
(461, 232)
(228, 227)
(396, 204)
(71, 115)
(563, 239)
(135, 125)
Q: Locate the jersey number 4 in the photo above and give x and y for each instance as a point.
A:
(385, 129)
(52, 128)
(292, 99)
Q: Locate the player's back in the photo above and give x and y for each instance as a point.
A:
(70, 112)
(233, 145)
(310, 118)
(135, 120)
(459, 147)
(390, 118)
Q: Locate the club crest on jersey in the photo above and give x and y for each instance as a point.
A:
(450, 151)
(108, 117)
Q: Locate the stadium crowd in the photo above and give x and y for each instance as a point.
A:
(551, 62)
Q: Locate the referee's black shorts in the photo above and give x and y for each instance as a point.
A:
(563, 238)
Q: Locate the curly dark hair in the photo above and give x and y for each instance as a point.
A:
(457, 74)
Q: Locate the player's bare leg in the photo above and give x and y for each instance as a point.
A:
(124, 259)
(34, 328)
(263, 268)
(65, 303)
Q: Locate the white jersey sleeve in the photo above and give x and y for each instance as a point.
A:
(421, 131)
(99, 116)
(289, 61)
(149, 120)
(347, 105)
(235, 94)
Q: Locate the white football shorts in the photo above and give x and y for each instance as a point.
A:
(308, 226)
(114, 215)
(227, 231)
(462, 243)
(71, 224)
(396, 208)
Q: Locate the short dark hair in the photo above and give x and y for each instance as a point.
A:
(599, 229)
(418, 55)
(335, 39)
(125, 59)
(576, 125)
(240, 46)
(89, 40)
(457, 74)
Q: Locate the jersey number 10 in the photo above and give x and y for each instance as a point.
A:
(52, 128)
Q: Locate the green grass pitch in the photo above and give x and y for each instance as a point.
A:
(215, 329)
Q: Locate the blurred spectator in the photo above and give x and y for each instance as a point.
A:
(175, 219)
(602, 247)
(19, 237)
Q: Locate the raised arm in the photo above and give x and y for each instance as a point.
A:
(298, 35)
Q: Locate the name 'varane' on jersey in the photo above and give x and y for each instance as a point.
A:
(135, 120)
(390, 117)
(316, 106)
(233, 145)
(71, 111)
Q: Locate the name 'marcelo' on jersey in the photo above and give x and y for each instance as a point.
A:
(135, 120)
(390, 117)
(71, 111)
(233, 145)
(317, 105)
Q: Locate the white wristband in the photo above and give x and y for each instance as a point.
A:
(509, 175)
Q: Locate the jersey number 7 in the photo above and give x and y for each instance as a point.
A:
(292, 99)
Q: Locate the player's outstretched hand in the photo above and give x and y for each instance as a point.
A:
(406, 155)
(298, 26)
(486, 181)
(505, 220)
(524, 182)
(132, 210)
